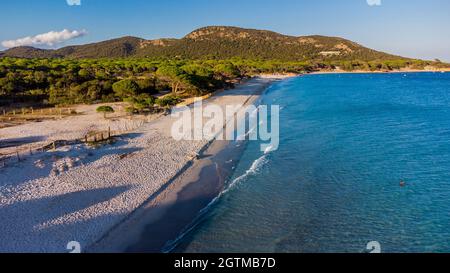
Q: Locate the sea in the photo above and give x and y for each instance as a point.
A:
(362, 158)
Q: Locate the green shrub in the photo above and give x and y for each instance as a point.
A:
(125, 88)
(105, 110)
(168, 101)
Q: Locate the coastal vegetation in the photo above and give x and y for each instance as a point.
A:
(142, 80)
(105, 110)
(162, 72)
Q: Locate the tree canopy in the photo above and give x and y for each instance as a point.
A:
(125, 88)
(105, 110)
(72, 81)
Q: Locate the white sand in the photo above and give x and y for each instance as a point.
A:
(79, 193)
(69, 128)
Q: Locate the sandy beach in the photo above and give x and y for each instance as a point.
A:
(443, 70)
(96, 195)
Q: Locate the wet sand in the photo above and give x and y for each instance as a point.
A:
(152, 228)
(176, 208)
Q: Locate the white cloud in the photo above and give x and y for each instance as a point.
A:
(374, 2)
(74, 2)
(49, 39)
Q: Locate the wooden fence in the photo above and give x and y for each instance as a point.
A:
(91, 138)
(37, 112)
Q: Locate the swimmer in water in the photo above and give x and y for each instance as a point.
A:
(402, 183)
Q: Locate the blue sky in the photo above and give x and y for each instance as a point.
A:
(413, 28)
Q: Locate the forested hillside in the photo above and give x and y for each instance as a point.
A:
(207, 59)
(217, 43)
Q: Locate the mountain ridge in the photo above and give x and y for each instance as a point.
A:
(218, 42)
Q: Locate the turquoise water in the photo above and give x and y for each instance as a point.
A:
(334, 184)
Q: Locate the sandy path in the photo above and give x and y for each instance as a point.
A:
(93, 189)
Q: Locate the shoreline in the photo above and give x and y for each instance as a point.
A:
(184, 199)
(97, 190)
(377, 72)
(152, 228)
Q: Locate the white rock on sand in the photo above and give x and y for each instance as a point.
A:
(80, 193)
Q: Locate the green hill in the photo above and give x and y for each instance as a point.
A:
(205, 60)
(216, 42)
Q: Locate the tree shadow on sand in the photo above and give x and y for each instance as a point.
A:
(13, 142)
(26, 170)
(21, 220)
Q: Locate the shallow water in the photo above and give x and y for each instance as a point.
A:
(334, 184)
